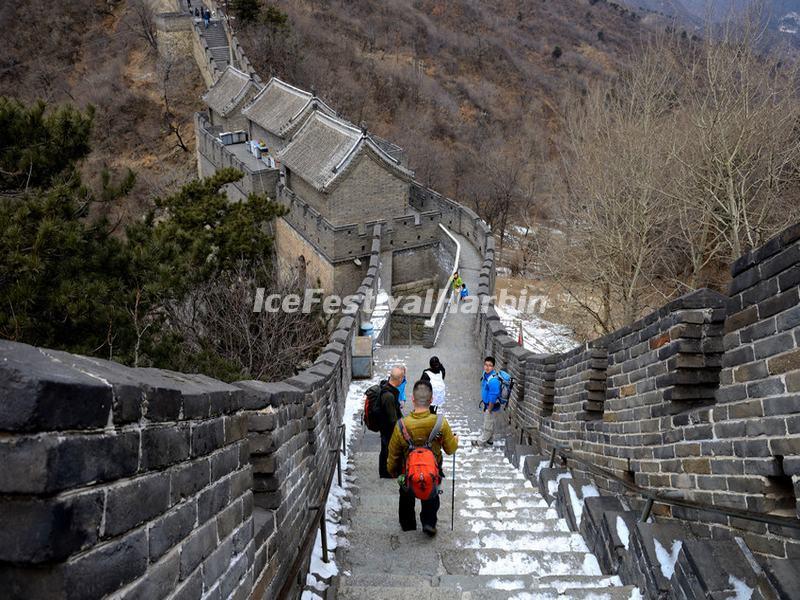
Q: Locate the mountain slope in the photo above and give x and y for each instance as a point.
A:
(458, 83)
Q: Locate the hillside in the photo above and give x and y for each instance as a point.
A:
(468, 89)
(94, 52)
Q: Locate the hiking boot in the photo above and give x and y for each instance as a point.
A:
(429, 529)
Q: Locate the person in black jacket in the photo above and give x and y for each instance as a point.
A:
(390, 410)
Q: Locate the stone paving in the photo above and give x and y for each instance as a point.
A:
(506, 542)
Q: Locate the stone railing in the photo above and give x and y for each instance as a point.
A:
(698, 400)
(148, 483)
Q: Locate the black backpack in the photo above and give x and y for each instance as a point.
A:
(373, 416)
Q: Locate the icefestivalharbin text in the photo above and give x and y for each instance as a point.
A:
(412, 304)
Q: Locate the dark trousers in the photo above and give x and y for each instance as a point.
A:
(382, 471)
(407, 514)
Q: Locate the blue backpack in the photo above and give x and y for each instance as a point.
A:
(506, 385)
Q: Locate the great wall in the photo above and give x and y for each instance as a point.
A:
(677, 436)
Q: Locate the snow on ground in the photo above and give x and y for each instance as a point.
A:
(742, 590)
(623, 532)
(667, 560)
(552, 484)
(538, 335)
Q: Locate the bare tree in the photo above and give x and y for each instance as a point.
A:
(265, 345)
(171, 120)
(142, 21)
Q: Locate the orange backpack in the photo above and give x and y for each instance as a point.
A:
(422, 475)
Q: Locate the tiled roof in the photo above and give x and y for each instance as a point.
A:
(229, 90)
(325, 146)
(280, 108)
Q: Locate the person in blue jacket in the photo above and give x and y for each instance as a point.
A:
(490, 402)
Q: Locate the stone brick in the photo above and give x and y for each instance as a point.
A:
(42, 394)
(779, 303)
(213, 500)
(159, 581)
(216, 564)
(228, 519)
(189, 478)
(793, 382)
(751, 371)
(741, 319)
(774, 345)
(207, 437)
(225, 462)
(191, 589)
(197, 547)
(37, 530)
(134, 502)
(108, 567)
(51, 464)
(164, 446)
(788, 320)
(171, 529)
(766, 387)
(783, 363)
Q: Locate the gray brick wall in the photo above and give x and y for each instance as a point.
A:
(119, 480)
(368, 192)
(698, 399)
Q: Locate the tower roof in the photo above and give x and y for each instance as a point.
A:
(325, 146)
(281, 108)
(232, 86)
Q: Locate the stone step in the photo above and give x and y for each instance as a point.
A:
(527, 582)
(601, 593)
(499, 562)
(495, 514)
(478, 525)
(358, 592)
(555, 542)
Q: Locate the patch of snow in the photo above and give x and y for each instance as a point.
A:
(310, 596)
(499, 584)
(542, 465)
(538, 334)
(577, 503)
(667, 560)
(742, 590)
(623, 532)
(552, 485)
(590, 565)
(635, 594)
(514, 562)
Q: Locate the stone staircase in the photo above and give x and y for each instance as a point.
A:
(506, 543)
(217, 43)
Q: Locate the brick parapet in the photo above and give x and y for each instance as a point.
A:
(698, 399)
(144, 482)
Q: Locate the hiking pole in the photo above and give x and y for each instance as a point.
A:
(453, 499)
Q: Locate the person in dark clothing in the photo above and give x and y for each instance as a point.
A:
(391, 413)
(434, 375)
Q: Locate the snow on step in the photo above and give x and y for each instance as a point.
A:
(504, 562)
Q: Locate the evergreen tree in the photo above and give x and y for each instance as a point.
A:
(247, 11)
(38, 146)
(67, 282)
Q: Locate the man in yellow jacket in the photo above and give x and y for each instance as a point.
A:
(419, 425)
